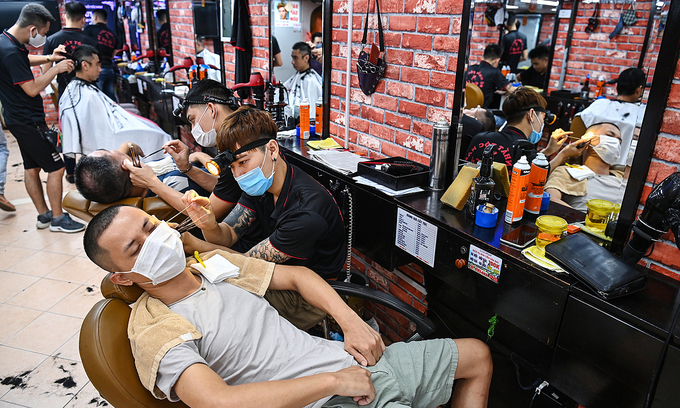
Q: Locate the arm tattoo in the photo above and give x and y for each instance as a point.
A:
(265, 250)
(239, 219)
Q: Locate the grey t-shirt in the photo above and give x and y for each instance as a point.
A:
(245, 340)
(603, 187)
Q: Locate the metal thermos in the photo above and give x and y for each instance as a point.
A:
(440, 145)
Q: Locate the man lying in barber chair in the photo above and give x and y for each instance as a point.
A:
(107, 176)
(233, 349)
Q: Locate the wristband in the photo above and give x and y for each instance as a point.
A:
(48, 59)
(187, 170)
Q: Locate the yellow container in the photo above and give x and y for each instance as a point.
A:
(598, 214)
(550, 229)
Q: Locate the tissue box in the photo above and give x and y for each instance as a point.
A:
(416, 178)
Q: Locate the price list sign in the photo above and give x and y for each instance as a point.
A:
(484, 263)
(416, 236)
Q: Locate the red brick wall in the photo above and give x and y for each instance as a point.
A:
(422, 49)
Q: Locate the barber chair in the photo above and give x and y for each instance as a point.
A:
(578, 127)
(473, 96)
(74, 203)
(107, 356)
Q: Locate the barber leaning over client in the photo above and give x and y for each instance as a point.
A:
(298, 218)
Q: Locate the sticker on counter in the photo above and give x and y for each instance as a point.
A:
(484, 263)
(416, 236)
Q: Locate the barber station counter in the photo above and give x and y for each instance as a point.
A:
(599, 353)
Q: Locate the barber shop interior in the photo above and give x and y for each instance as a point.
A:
(283, 203)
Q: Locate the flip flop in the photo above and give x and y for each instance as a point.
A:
(7, 206)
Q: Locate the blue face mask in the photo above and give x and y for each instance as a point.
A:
(254, 183)
(535, 136)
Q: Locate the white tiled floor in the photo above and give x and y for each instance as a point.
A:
(47, 286)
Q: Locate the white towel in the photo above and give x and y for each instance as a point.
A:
(217, 269)
(580, 173)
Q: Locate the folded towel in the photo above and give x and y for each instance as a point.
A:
(254, 275)
(153, 329)
(162, 166)
(580, 173)
(217, 269)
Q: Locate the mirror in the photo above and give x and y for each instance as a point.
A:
(575, 52)
(145, 17)
(291, 22)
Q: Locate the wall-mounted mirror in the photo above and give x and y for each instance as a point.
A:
(597, 38)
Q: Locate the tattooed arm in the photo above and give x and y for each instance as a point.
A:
(265, 250)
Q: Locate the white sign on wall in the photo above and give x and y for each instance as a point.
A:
(416, 236)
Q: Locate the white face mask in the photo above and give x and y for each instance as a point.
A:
(205, 139)
(37, 41)
(162, 255)
(609, 149)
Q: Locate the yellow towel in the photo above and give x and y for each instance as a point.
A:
(153, 328)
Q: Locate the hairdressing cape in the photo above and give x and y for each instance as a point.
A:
(90, 120)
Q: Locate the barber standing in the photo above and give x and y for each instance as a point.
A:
(106, 45)
(24, 114)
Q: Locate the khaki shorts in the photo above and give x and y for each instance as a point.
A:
(418, 374)
(292, 307)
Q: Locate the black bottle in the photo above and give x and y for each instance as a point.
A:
(483, 185)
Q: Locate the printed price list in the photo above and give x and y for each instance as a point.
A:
(416, 236)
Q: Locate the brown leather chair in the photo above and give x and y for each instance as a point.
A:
(578, 127)
(107, 356)
(473, 96)
(74, 203)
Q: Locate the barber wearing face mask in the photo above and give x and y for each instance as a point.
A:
(526, 114)
(298, 218)
(205, 107)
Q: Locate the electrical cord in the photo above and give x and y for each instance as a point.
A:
(350, 230)
(538, 392)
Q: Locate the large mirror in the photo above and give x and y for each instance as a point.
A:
(582, 38)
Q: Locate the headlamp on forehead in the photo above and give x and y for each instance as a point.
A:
(224, 159)
(180, 111)
(550, 117)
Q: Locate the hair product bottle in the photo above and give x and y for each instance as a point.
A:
(519, 184)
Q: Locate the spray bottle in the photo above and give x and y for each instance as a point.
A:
(483, 185)
(304, 119)
(539, 173)
(318, 120)
(519, 184)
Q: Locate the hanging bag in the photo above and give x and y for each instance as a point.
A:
(593, 21)
(370, 66)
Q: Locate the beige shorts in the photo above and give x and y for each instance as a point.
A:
(292, 307)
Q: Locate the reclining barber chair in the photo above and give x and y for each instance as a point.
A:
(107, 356)
(74, 203)
(474, 96)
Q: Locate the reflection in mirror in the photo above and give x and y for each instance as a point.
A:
(591, 41)
(293, 22)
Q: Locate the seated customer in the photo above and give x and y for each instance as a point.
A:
(536, 73)
(574, 187)
(625, 111)
(525, 111)
(240, 352)
(475, 120)
(305, 84)
(487, 76)
(90, 120)
(107, 176)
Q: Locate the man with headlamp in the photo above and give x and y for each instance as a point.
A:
(298, 218)
(526, 115)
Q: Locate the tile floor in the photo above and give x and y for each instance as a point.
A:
(47, 286)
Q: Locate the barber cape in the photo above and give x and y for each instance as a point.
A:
(306, 84)
(90, 120)
(211, 58)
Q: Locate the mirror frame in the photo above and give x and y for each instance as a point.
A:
(651, 124)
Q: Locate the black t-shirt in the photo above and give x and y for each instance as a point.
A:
(164, 37)
(487, 78)
(15, 69)
(70, 38)
(275, 46)
(532, 77)
(513, 44)
(106, 42)
(471, 127)
(507, 149)
(305, 223)
(227, 189)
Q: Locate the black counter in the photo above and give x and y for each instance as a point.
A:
(599, 353)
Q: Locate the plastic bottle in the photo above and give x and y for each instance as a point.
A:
(585, 91)
(519, 184)
(483, 185)
(318, 120)
(304, 119)
(539, 173)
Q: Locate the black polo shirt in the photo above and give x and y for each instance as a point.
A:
(532, 77)
(487, 78)
(305, 223)
(106, 42)
(506, 151)
(513, 44)
(70, 38)
(15, 69)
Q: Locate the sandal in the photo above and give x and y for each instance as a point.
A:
(6, 205)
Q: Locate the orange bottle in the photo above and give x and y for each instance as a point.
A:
(539, 173)
(318, 120)
(304, 119)
(519, 183)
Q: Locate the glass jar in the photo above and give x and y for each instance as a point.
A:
(550, 229)
(598, 214)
